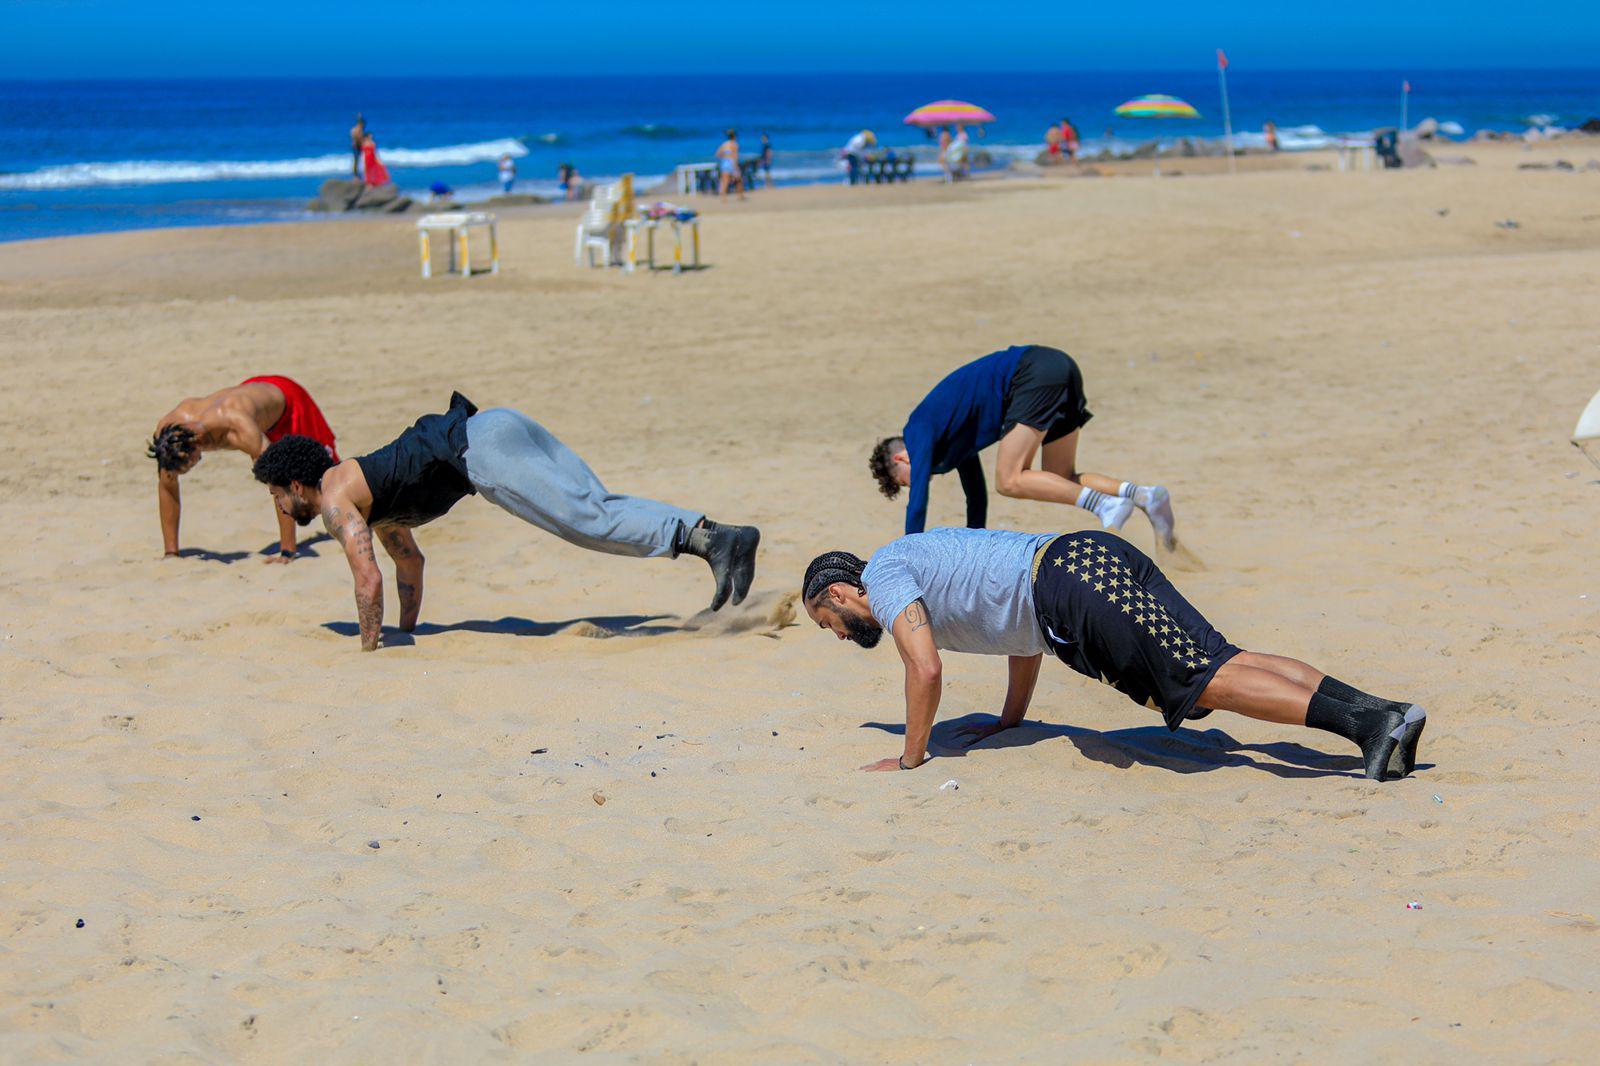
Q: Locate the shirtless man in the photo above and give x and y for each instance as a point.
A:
(245, 418)
(1030, 400)
(517, 465)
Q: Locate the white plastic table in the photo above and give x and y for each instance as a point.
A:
(688, 176)
(650, 225)
(1356, 155)
(458, 227)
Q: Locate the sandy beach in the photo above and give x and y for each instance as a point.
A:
(1357, 385)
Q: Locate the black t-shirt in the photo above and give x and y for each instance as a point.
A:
(423, 472)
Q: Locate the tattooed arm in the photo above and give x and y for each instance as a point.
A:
(350, 529)
(402, 548)
(924, 681)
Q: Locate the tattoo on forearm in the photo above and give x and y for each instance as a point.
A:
(917, 615)
(370, 611)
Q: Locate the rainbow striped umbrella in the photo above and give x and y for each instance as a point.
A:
(949, 113)
(1156, 105)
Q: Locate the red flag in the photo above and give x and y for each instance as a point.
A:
(1222, 60)
(1405, 86)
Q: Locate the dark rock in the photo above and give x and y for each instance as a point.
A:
(80, 923)
(337, 194)
(1591, 126)
(376, 196)
(1147, 150)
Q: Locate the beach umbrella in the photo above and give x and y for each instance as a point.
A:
(1156, 105)
(949, 113)
(1588, 429)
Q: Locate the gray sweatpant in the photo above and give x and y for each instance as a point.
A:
(519, 465)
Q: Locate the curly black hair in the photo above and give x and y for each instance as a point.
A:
(882, 466)
(172, 446)
(828, 568)
(292, 459)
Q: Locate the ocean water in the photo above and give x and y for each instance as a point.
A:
(88, 156)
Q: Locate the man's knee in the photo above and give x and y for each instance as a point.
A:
(1010, 485)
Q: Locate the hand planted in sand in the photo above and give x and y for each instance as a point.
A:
(281, 557)
(883, 764)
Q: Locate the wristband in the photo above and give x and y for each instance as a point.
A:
(902, 761)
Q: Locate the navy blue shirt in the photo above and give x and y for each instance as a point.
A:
(961, 416)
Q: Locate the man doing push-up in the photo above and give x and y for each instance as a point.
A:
(1099, 605)
(516, 464)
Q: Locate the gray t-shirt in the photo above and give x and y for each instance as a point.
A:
(976, 583)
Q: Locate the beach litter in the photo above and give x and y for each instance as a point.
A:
(599, 798)
(79, 924)
(949, 786)
(1437, 798)
(374, 845)
(1509, 223)
(1414, 905)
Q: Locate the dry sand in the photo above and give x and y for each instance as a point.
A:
(1359, 402)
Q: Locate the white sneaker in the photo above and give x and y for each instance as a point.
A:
(1114, 512)
(1156, 502)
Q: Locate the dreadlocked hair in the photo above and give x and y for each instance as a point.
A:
(172, 446)
(828, 568)
(294, 458)
(882, 466)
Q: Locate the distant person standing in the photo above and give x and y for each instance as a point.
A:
(855, 153)
(1271, 131)
(728, 165)
(372, 167)
(1069, 140)
(944, 153)
(766, 160)
(958, 153)
(1052, 143)
(358, 137)
(508, 174)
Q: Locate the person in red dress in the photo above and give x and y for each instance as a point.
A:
(244, 418)
(371, 165)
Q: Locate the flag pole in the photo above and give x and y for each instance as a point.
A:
(1227, 120)
(1405, 96)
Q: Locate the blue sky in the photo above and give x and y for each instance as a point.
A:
(86, 38)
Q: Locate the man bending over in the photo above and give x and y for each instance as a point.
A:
(1027, 397)
(1099, 605)
(245, 418)
(517, 465)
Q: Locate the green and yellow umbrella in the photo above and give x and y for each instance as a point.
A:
(1157, 105)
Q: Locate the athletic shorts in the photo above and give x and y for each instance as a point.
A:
(1108, 611)
(1046, 393)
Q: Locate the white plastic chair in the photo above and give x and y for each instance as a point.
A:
(596, 229)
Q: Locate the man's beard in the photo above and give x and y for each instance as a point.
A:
(302, 512)
(863, 629)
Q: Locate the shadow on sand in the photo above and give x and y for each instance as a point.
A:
(1188, 751)
(307, 547)
(617, 625)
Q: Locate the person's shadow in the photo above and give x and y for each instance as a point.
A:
(307, 547)
(1188, 751)
(618, 625)
(205, 555)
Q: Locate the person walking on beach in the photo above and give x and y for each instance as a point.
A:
(766, 161)
(1270, 131)
(944, 154)
(728, 172)
(245, 418)
(1030, 400)
(1101, 606)
(569, 181)
(508, 174)
(358, 137)
(516, 464)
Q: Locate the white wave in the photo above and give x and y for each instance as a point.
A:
(161, 172)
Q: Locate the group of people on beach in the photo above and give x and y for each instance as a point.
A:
(1090, 599)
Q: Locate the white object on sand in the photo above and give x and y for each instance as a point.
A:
(1588, 428)
(457, 226)
(949, 786)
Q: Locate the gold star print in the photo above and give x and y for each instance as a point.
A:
(1058, 560)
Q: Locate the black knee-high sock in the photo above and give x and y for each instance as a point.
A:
(1336, 716)
(1332, 686)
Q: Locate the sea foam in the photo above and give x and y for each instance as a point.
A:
(161, 172)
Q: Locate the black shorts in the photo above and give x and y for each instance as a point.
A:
(1046, 393)
(1108, 612)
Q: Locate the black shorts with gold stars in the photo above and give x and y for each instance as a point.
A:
(1109, 612)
